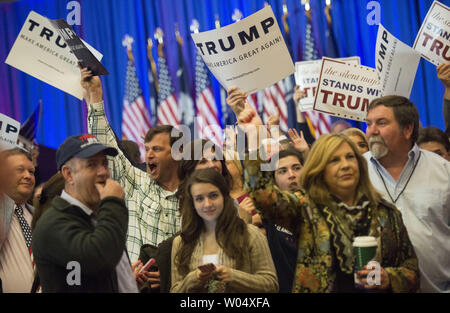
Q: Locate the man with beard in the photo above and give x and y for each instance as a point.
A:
(79, 242)
(416, 181)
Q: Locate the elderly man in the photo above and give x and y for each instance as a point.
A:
(16, 267)
(150, 196)
(416, 181)
(79, 242)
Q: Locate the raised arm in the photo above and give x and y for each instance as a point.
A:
(301, 121)
(279, 207)
(121, 168)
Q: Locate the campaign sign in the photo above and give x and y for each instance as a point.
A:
(433, 39)
(307, 77)
(9, 131)
(42, 53)
(345, 90)
(396, 64)
(250, 54)
(86, 58)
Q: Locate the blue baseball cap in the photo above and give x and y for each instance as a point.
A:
(81, 146)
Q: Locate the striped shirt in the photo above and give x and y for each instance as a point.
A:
(153, 212)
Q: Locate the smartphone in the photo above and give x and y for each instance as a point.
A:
(147, 265)
(206, 268)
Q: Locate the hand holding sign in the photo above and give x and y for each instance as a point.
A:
(298, 94)
(92, 86)
(236, 100)
(443, 72)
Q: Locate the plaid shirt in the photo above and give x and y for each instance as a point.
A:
(153, 212)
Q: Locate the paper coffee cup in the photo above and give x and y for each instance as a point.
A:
(364, 251)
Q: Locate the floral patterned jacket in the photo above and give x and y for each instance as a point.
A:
(320, 248)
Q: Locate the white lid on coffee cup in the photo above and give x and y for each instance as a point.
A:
(365, 241)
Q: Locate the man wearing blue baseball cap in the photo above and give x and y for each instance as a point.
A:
(79, 242)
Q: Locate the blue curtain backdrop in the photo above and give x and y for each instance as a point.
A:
(105, 22)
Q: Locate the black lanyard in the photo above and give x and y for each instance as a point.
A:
(407, 182)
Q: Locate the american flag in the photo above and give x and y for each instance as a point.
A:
(207, 113)
(153, 81)
(186, 104)
(273, 100)
(135, 117)
(318, 123)
(253, 101)
(30, 126)
(168, 111)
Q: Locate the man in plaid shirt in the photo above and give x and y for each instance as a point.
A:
(150, 196)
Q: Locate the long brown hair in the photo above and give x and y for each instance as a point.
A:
(231, 231)
(312, 176)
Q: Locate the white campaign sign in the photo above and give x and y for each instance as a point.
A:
(307, 76)
(345, 90)
(396, 64)
(433, 39)
(9, 131)
(41, 52)
(250, 54)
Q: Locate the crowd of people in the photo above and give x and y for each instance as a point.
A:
(282, 218)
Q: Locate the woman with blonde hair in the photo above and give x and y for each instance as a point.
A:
(338, 204)
(358, 137)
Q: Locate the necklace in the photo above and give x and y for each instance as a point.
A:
(407, 182)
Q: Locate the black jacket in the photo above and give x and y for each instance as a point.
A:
(65, 233)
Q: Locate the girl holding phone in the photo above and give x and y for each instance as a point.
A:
(216, 250)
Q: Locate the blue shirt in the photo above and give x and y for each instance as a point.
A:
(422, 194)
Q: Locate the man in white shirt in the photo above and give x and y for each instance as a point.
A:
(416, 181)
(16, 266)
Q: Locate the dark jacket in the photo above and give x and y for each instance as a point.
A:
(65, 233)
(162, 255)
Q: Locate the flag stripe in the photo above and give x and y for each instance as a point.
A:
(135, 115)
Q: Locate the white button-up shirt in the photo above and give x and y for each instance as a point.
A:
(422, 193)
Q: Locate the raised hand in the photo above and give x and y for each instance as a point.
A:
(298, 94)
(236, 100)
(274, 120)
(92, 86)
(443, 73)
(247, 205)
(298, 142)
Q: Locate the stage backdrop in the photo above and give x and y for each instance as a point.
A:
(105, 22)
